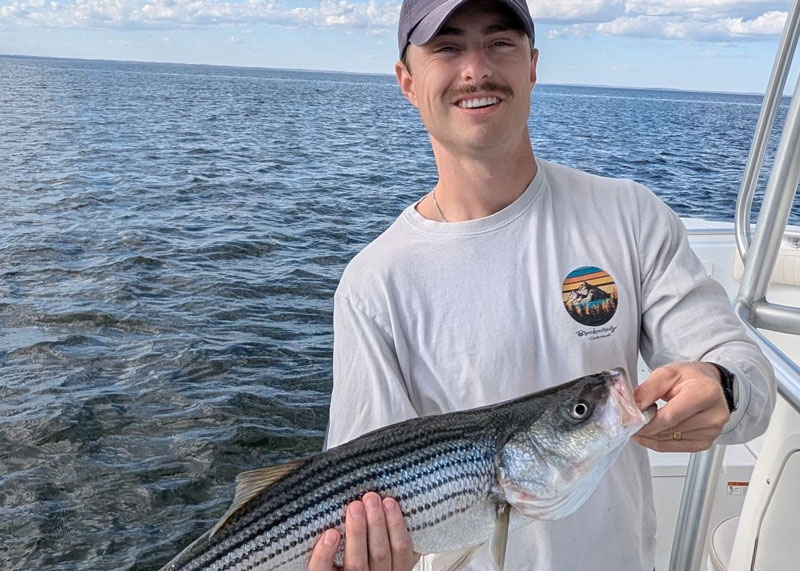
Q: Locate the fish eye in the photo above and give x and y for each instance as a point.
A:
(580, 410)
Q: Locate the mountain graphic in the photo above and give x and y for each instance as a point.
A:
(586, 293)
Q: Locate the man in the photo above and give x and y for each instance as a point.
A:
(514, 274)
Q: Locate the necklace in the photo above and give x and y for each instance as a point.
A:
(436, 203)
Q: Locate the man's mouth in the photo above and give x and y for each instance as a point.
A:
(478, 102)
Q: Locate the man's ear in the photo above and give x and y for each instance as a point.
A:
(534, 62)
(406, 82)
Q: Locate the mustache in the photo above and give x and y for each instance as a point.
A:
(454, 94)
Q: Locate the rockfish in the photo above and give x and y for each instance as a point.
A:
(458, 477)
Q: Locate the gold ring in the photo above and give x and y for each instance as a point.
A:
(677, 436)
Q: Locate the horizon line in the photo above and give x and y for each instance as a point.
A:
(375, 73)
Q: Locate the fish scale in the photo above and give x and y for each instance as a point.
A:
(443, 471)
(441, 455)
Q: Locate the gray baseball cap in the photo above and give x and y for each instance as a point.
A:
(420, 20)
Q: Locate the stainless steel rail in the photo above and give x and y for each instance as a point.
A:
(772, 219)
(787, 372)
(766, 119)
(694, 513)
(697, 501)
(751, 304)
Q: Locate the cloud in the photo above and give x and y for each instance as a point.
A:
(575, 11)
(710, 20)
(705, 8)
(768, 24)
(723, 29)
(139, 14)
(587, 11)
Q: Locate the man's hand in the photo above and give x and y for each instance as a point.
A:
(377, 539)
(695, 411)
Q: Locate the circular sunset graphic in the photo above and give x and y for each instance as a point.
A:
(590, 295)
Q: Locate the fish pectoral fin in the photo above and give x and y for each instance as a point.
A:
(251, 483)
(453, 560)
(497, 547)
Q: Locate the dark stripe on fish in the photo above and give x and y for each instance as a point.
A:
(349, 474)
(452, 475)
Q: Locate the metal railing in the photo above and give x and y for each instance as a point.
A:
(766, 119)
(787, 372)
(751, 304)
(772, 219)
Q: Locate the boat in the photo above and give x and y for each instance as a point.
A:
(739, 504)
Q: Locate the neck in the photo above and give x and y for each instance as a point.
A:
(478, 185)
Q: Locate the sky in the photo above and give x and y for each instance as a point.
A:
(705, 45)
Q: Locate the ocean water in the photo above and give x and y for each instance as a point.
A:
(170, 240)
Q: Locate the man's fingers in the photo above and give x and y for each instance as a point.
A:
(324, 551)
(654, 387)
(711, 419)
(380, 552)
(355, 548)
(683, 445)
(683, 406)
(377, 539)
(702, 434)
(701, 397)
(403, 556)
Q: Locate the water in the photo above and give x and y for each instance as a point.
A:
(171, 240)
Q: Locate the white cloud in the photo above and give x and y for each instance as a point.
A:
(587, 11)
(369, 15)
(722, 29)
(708, 8)
(767, 24)
(577, 11)
(711, 20)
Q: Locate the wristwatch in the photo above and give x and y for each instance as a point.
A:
(730, 387)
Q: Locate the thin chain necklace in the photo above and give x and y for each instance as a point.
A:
(436, 203)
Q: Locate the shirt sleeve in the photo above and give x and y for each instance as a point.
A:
(686, 316)
(369, 390)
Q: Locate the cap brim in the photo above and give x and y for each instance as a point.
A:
(430, 25)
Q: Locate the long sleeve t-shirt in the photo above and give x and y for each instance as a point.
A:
(578, 275)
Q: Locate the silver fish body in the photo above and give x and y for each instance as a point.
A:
(452, 474)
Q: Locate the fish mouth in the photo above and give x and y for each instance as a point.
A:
(631, 417)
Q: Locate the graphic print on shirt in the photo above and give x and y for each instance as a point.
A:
(590, 298)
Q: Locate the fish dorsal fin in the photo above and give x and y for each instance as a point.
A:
(251, 483)
(453, 560)
(500, 537)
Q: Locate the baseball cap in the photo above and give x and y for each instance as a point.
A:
(420, 20)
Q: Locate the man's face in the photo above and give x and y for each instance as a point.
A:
(472, 81)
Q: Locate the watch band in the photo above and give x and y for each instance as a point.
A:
(727, 380)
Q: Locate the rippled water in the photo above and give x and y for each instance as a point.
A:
(171, 240)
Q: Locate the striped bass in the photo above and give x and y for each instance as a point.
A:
(458, 477)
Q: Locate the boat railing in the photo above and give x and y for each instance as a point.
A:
(751, 303)
(766, 120)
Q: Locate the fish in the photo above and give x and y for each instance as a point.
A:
(462, 479)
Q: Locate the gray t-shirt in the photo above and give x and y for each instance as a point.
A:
(578, 275)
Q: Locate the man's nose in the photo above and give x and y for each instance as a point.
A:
(476, 65)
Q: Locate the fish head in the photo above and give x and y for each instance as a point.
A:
(547, 468)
